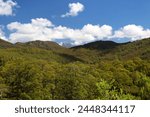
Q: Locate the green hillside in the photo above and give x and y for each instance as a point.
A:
(5, 44)
(98, 70)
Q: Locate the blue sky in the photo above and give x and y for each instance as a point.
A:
(125, 17)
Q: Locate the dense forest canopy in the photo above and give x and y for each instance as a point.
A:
(98, 70)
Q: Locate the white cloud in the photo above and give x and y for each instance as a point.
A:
(38, 29)
(97, 31)
(2, 34)
(43, 29)
(133, 32)
(41, 22)
(75, 9)
(6, 7)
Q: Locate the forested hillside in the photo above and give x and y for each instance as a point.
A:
(98, 70)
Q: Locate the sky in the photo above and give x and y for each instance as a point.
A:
(74, 21)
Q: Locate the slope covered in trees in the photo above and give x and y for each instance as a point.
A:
(5, 44)
(98, 70)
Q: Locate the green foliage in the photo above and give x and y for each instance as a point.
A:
(3, 88)
(44, 70)
(109, 92)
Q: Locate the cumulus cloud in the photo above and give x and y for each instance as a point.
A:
(38, 29)
(6, 7)
(97, 31)
(75, 9)
(41, 22)
(43, 29)
(2, 34)
(133, 32)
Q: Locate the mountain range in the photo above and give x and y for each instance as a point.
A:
(98, 70)
(90, 52)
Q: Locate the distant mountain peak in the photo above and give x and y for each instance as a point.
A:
(49, 45)
(5, 44)
(99, 45)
